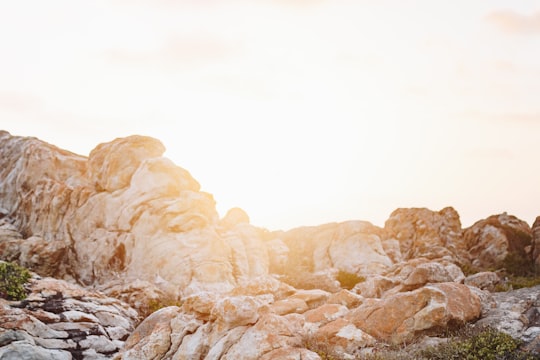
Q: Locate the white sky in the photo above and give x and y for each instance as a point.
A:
(301, 112)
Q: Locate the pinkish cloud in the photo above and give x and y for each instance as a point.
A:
(512, 22)
(178, 51)
(19, 102)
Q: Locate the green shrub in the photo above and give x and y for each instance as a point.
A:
(488, 344)
(349, 280)
(12, 280)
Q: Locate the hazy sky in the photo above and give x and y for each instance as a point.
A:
(301, 112)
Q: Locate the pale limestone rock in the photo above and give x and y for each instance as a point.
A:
(516, 313)
(486, 280)
(234, 311)
(61, 320)
(125, 212)
(353, 246)
(263, 285)
(291, 353)
(278, 254)
(409, 275)
(234, 217)
(322, 315)
(375, 286)
(24, 350)
(324, 280)
(271, 332)
(313, 298)
(223, 344)
(152, 338)
(135, 225)
(342, 338)
(111, 165)
(289, 306)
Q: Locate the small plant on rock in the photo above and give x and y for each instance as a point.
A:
(349, 280)
(12, 280)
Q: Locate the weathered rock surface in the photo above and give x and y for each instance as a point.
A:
(401, 317)
(59, 320)
(125, 210)
(499, 241)
(425, 233)
(132, 224)
(517, 313)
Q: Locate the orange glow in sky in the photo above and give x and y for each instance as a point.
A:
(300, 112)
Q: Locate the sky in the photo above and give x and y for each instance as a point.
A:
(301, 112)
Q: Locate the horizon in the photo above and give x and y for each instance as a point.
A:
(299, 112)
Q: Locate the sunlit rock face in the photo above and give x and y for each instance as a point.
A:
(425, 233)
(353, 247)
(500, 241)
(132, 224)
(125, 210)
(400, 317)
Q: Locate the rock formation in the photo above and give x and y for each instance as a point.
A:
(498, 240)
(59, 320)
(134, 226)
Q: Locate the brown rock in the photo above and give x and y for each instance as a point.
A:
(500, 241)
(346, 298)
(403, 316)
(342, 338)
(536, 241)
(425, 233)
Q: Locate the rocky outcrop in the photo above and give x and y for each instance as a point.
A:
(59, 320)
(132, 224)
(500, 241)
(425, 233)
(317, 252)
(516, 313)
(123, 211)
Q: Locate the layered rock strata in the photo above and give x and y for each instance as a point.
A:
(61, 321)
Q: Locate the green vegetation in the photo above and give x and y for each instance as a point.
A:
(12, 280)
(349, 280)
(154, 305)
(488, 344)
(467, 344)
(517, 282)
(517, 270)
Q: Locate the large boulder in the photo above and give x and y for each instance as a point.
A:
(500, 241)
(516, 313)
(404, 316)
(425, 233)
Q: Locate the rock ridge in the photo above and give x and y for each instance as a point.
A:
(125, 225)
